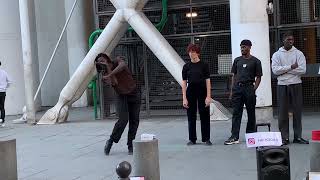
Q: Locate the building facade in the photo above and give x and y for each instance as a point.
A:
(213, 24)
(209, 24)
(46, 22)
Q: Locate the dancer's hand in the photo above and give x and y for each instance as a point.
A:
(208, 101)
(185, 103)
(110, 80)
(106, 79)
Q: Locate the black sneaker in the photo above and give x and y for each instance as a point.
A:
(231, 141)
(300, 141)
(130, 150)
(208, 143)
(107, 147)
(285, 141)
(190, 143)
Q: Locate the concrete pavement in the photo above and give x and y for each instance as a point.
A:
(74, 150)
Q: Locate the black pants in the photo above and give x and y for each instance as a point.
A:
(2, 99)
(128, 110)
(244, 94)
(291, 94)
(196, 95)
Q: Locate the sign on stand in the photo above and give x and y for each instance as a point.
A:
(137, 178)
(314, 175)
(263, 139)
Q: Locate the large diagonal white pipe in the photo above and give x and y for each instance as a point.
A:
(129, 4)
(156, 42)
(127, 11)
(73, 90)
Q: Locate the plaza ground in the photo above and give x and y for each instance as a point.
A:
(74, 150)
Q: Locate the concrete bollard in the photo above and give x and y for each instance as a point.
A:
(315, 152)
(123, 170)
(146, 159)
(8, 160)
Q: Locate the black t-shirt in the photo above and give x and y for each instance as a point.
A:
(246, 70)
(195, 73)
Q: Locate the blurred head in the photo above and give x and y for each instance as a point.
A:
(101, 61)
(288, 40)
(245, 46)
(193, 51)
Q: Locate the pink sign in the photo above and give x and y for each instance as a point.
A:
(263, 139)
(137, 178)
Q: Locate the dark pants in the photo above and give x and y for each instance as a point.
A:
(2, 99)
(244, 94)
(291, 94)
(128, 110)
(196, 96)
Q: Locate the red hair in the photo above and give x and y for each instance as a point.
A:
(193, 47)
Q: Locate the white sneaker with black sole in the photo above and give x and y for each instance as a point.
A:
(2, 124)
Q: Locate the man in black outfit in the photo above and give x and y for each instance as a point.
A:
(247, 72)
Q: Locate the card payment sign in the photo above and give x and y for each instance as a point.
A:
(263, 139)
(137, 178)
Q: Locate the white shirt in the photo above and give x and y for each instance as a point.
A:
(281, 66)
(4, 81)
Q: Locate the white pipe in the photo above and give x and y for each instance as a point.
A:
(106, 38)
(27, 58)
(77, 37)
(55, 49)
(129, 4)
(252, 23)
(108, 51)
(110, 36)
(156, 42)
(127, 11)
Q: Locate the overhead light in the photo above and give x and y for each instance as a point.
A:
(193, 14)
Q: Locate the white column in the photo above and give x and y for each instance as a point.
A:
(249, 20)
(11, 55)
(27, 57)
(78, 32)
(50, 19)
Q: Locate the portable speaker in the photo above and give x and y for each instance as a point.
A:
(273, 163)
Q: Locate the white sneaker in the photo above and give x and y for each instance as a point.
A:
(3, 124)
(19, 121)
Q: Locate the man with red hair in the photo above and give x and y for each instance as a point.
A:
(196, 91)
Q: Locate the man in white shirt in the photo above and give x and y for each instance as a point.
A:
(288, 63)
(4, 84)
